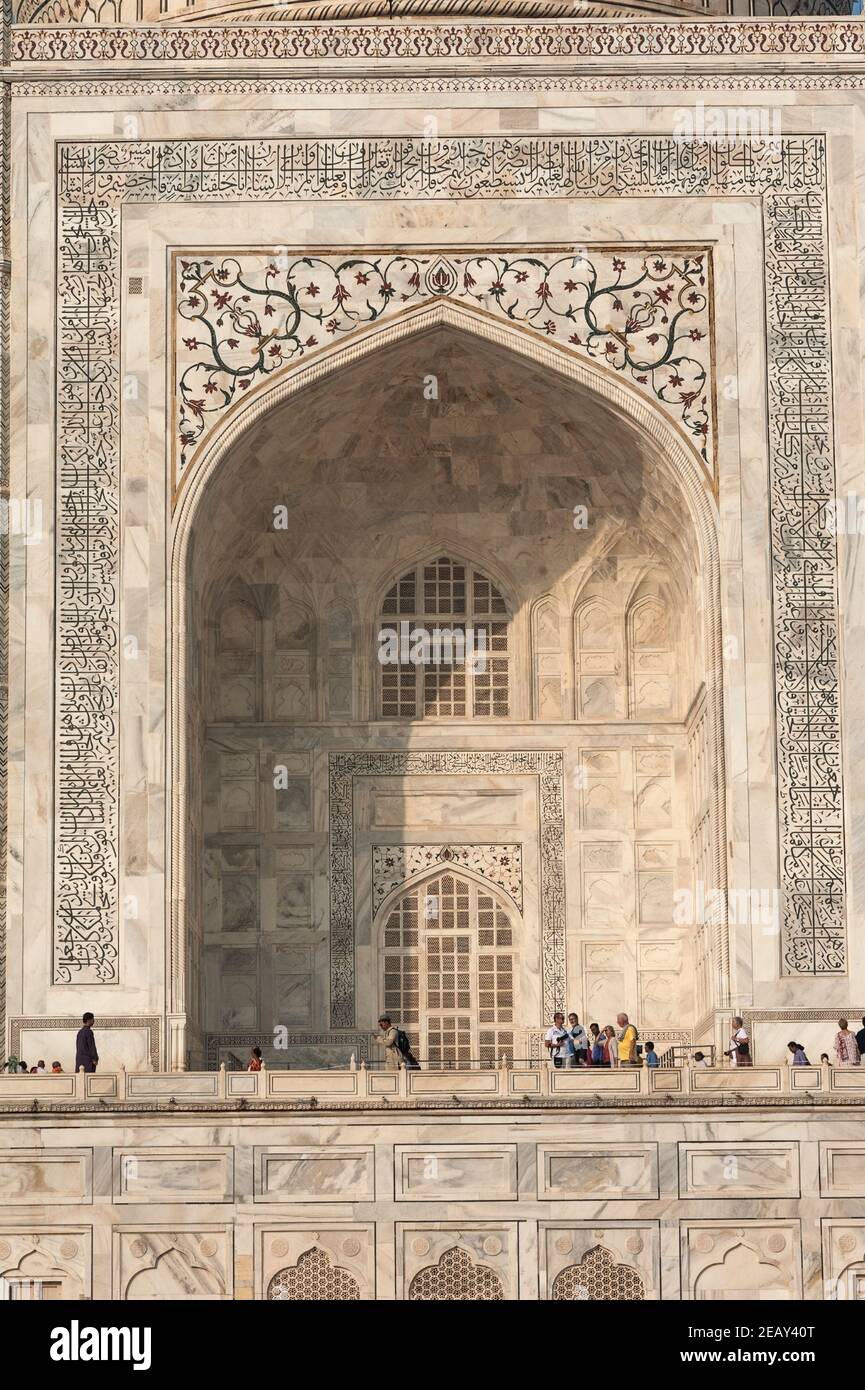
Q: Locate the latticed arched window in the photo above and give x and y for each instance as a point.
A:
(456, 1279)
(598, 1279)
(313, 1279)
(449, 968)
(443, 645)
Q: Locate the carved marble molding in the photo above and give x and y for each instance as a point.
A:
(95, 180)
(547, 768)
(243, 319)
(624, 41)
(490, 82)
(394, 865)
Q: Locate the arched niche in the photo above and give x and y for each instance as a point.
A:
(375, 478)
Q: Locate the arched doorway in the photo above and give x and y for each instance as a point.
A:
(528, 511)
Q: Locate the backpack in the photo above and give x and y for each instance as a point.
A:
(403, 1044)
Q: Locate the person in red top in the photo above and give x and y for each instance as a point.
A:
(255, 1060)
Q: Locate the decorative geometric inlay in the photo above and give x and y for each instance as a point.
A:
(456, 1279)
(95, 180)
(598, 1279)
(393, 865)
(547, 767)
(242, 320)
(313, 1279)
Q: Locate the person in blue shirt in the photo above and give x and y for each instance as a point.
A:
(651, 1055)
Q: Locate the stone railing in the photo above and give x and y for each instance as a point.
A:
(502, 1084)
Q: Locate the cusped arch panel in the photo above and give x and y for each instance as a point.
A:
(313, 1279)
(456, 1279)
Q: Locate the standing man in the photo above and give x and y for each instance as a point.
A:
(577, 1042)
(556, 1039)
(387, 1039)
(860, 1039)
(86, 1056)
(627, 1042)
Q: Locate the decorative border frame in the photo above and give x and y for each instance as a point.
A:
(152, 1022)
(343, 768)
(788, 173)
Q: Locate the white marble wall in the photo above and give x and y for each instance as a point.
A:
(152, 887)
(400, 1205)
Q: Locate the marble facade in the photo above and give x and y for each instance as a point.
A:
(298, 316)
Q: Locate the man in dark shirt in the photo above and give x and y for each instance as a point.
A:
(860, 1038)
(86, 1055)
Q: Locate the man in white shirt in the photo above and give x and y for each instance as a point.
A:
(556, 1039)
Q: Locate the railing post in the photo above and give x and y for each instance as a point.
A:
(261, 1083)
(644, 1079)
(825, 1077)
(121, 1082)
(80, 1084)
(686, 1080)
(787, 1080)
(222, 1084)
(402, 1088)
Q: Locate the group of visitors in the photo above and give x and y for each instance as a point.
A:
(569, 1045)
(39, 1069)
(849, 1048)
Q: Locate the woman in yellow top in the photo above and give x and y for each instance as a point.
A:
(627, 1042)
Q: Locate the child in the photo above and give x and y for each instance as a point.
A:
(651, 1055)
(700, 1061)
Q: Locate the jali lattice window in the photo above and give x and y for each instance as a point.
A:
(598, 1279)
(449, 969)
(443, 645)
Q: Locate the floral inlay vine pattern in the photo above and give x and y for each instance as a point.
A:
(644, 314)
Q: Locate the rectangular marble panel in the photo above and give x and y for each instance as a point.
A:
(842, 1169)
(328, 1174)
(572, 1171)
(446, 809)
(665, 1081)
(736, 1079)
(448, 1172)
(453, 1083)
(45, 1177)
(173, 1175)
(524, 1083)
(738, 1170)
(806, 1079)
(584, 1082)
(147, 1086)
(328, 1083)
(380, 1083)
(847, 1079)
